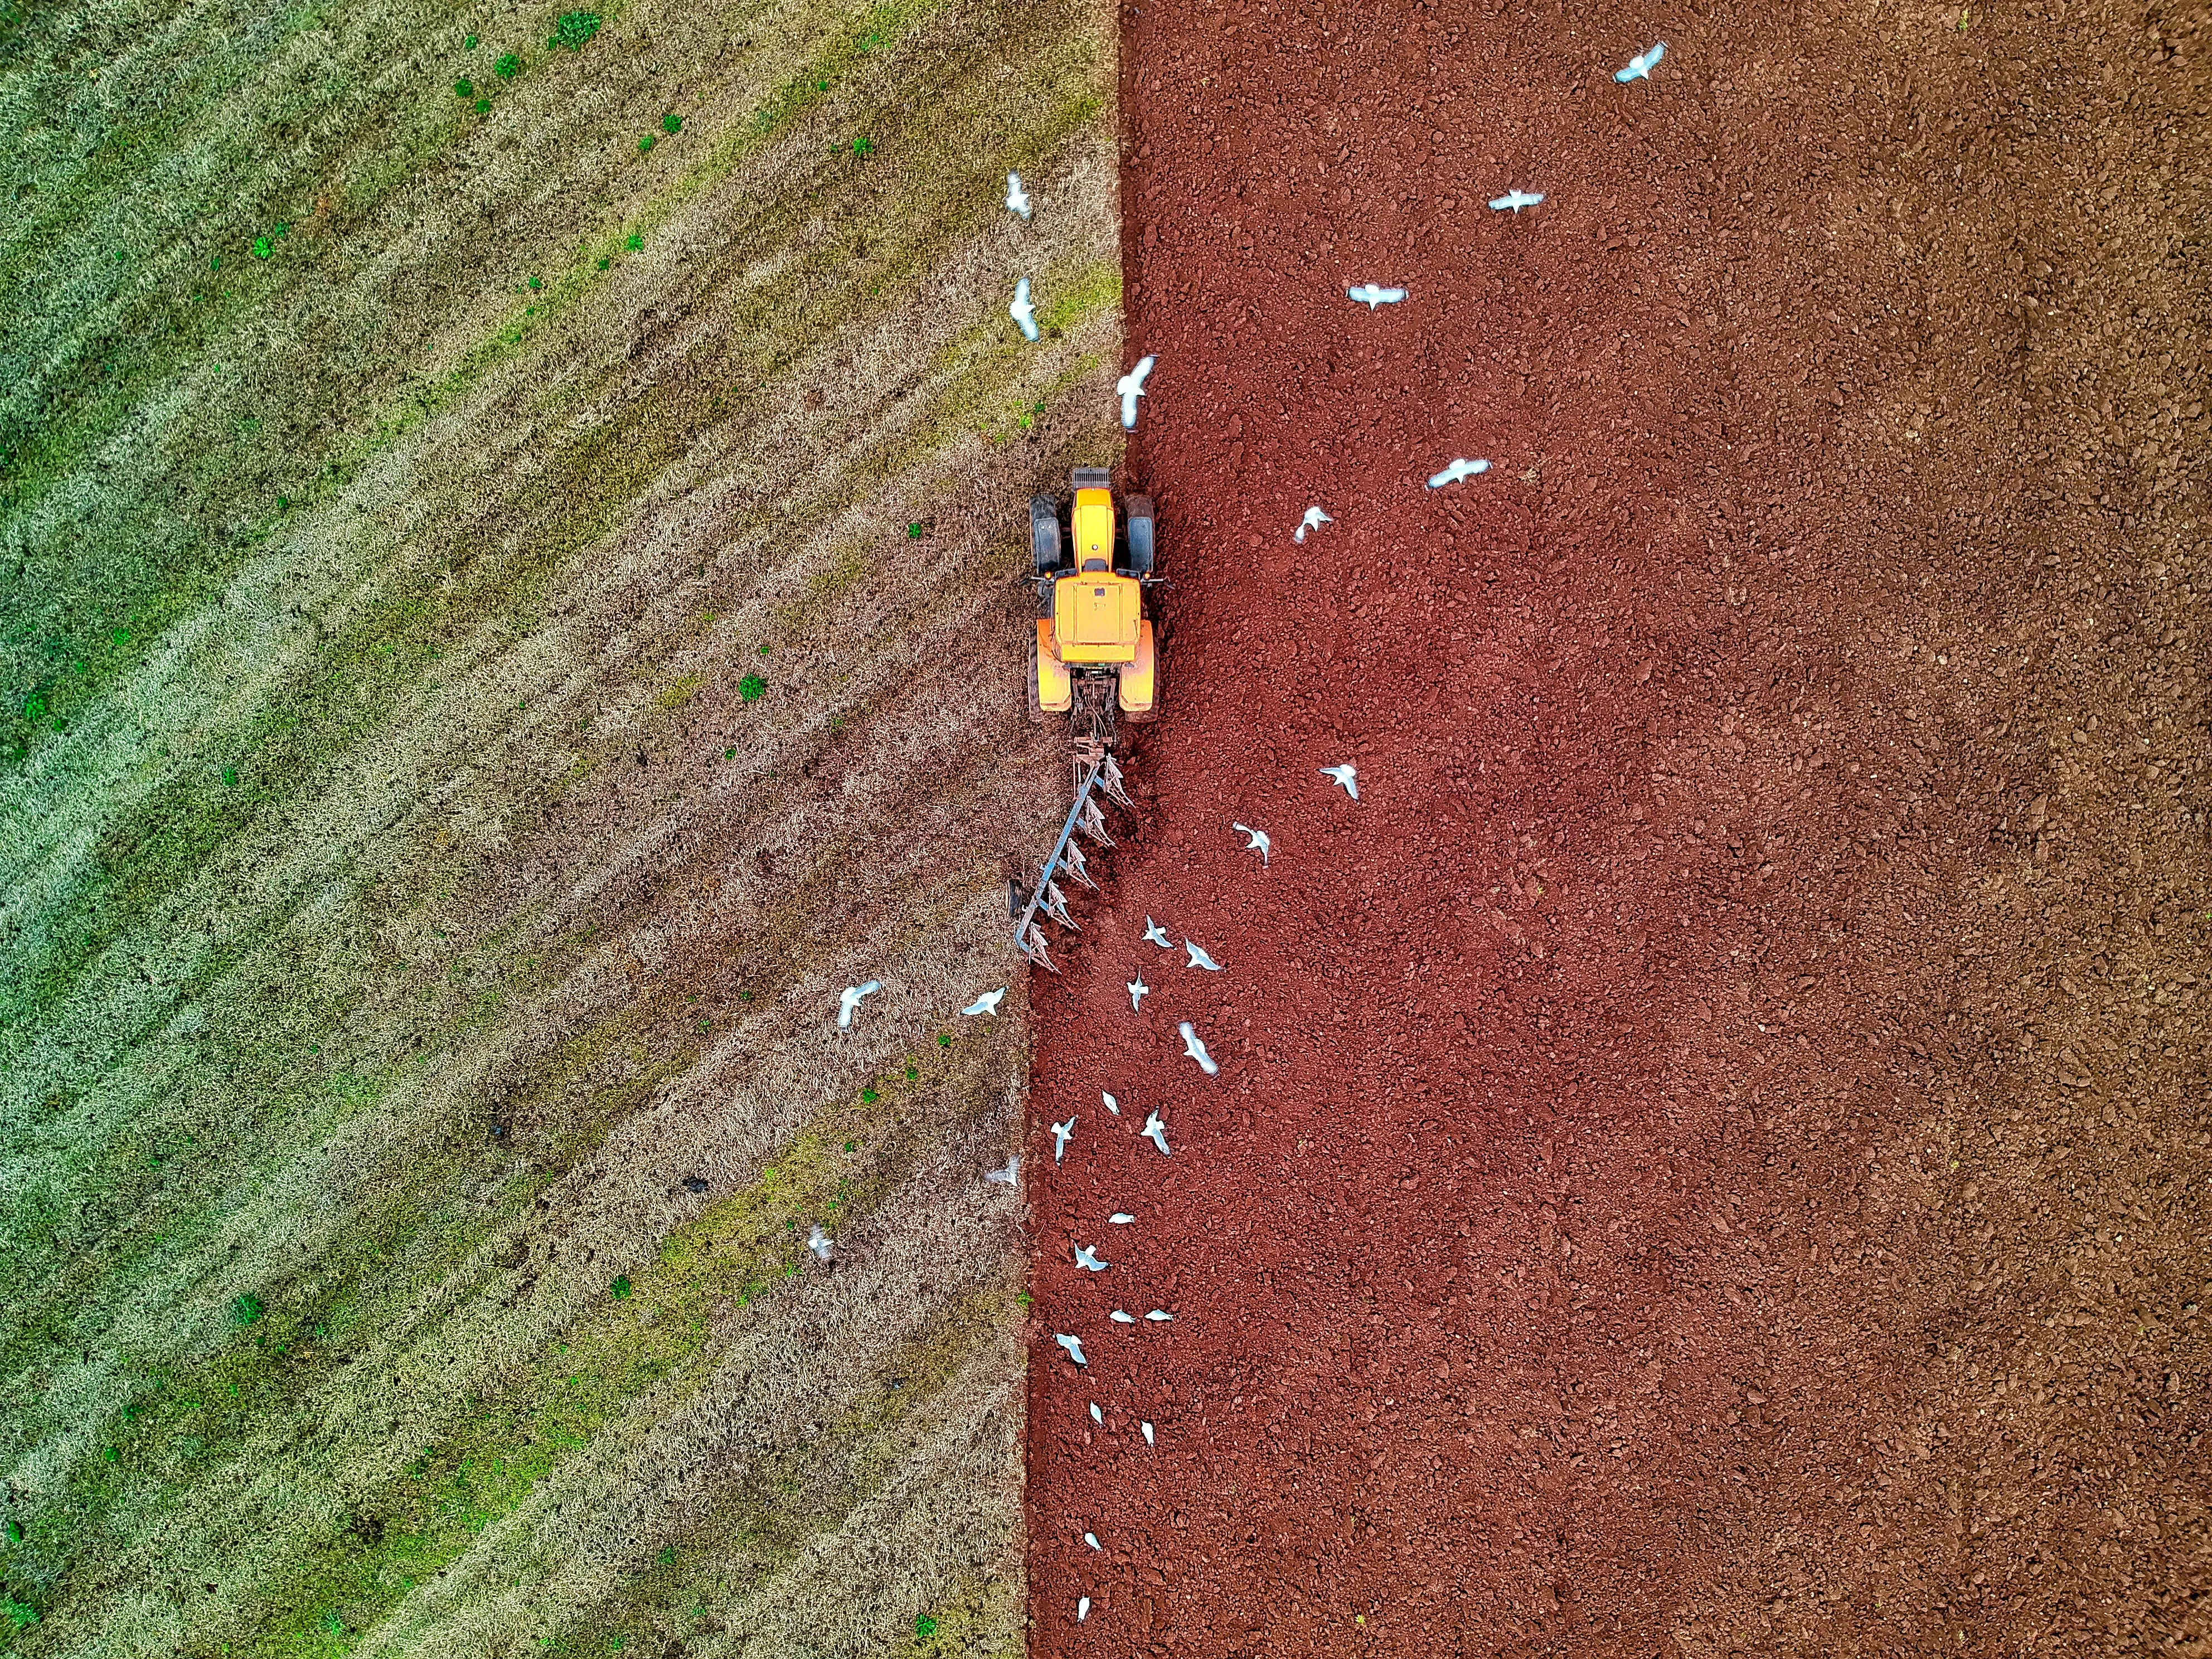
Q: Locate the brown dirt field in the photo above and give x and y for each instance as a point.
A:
(1708, 1150)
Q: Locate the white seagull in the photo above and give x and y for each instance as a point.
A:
(818, 1241)
(1371, 296)
(1129, 388)
(1082, 1608)
(1120, 1318)
(1091, 1539)
(1137, 987)
(1515, 200)
(1022, 311)
(1346, 774)
(1112, 1104)
(1198, 957)
(1196, 1051)
(1147, 1428)
(1018, 199)
(1156, 934)
(1061, 1134)
(849, 1003)
(1121, 1218)
(1456, 471)
(1314, 519)
(1088, 1258)
(986, 1003)
(1158, 1131)
(1259, 842)
(1097, 1416)
(1160, 1314)
(1640, 66)
(1008, 1176)
(1073, 1345)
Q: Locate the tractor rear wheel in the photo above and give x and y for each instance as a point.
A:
(1036, 704)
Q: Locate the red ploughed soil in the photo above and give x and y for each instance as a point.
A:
(1644, 1208)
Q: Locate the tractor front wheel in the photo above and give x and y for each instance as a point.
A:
(1044, 534)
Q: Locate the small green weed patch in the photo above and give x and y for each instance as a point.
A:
(573, 29)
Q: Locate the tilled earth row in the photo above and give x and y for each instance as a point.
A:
(1708, 1147)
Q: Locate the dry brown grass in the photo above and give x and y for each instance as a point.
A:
(400, 1033)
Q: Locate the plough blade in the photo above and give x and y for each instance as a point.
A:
(1055, 906)
(1109, 779)
(1072, 862)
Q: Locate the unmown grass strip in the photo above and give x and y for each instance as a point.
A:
(420, 1220)
(140, 599)
(654, 1323)
(595, 475)
(691, 1582)
(417, 1213)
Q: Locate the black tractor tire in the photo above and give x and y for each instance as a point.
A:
(1036, 705)
(1139, 511)
(1044, 534)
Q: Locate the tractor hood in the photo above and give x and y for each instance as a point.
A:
(1095, 617)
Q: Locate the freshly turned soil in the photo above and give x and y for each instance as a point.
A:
(1708, 1149)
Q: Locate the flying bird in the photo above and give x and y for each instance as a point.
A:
(1156, 934)
(1314, 519)
(1121, 1218)
(1199, 958)
(1022, 311)
(1371, 296)
(1112, 1104)
(986, 1003)
(1086, 1257)
(1515, 200)
(1129, 388)
(1159, 1316)
(1157, 1133)
(1348, 774)
(1457, 471)
(818, 1241)
(1147, 1428)
(1196, 1051)
(1073, 1345)
(849, 1003)
(1137, 987)
(1018, 199)
(1061, 1134)
(1091, 1539)
(1008, 1176)
(1640, 66)
(1120, 1318)
(1259, 842)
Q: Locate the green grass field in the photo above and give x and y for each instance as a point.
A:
(503, 620)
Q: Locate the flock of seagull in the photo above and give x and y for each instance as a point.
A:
(1089, 1257)
(1128, 389)
(1373, 295)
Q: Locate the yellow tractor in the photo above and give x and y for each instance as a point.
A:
(1095, 658)
(1094, 654)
